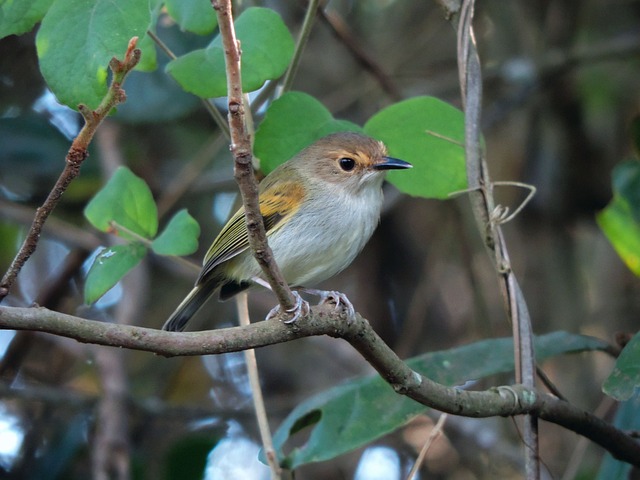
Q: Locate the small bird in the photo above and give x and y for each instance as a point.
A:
(319, 209)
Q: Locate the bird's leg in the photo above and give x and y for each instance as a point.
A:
(300, 308)
(330, 296)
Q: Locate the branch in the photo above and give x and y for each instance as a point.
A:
(75, 157)
(344, 33)
(241, 149)
(484, 210)
(305, 31)
(322, 320)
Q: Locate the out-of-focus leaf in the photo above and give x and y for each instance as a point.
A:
(10, 237)
(626, 419)
(360, 411)
(109, 267)
(625, 378)
(127, 201)
(626, 183)
(20, 16)
(195, 16)
(267, 48)
(188, 458)
(291, 123)
(180, 236)
(31, 157)
(428, 133)
(68, 438)
(635, 133)
(78, 38)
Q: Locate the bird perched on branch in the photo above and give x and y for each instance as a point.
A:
(319, 209)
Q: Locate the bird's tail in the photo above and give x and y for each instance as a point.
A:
(189, 306)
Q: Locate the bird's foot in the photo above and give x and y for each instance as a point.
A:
(299, 309)
(340, 300)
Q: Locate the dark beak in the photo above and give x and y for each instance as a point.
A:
(389, 163)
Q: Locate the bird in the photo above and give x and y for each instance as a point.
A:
(319, 210)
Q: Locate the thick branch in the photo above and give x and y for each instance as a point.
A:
(241, 149)
(75, 157)
(503, 401)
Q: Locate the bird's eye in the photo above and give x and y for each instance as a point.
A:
(347, 164)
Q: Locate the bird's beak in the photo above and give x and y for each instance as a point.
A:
(389, 163)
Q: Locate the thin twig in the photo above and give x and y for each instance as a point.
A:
(305, 31)
(243, 168)
(213, 111)
(75, 157)
(324, 320)
(346, 36)
(258, 400)
(189, 173)
(481, 194)
(435, 432)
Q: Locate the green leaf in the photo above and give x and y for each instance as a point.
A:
(625, 377)
(127, 201)
(618, 224)
(187, 459)
(109, 267)
(267, 48)
(20, 16)
(428, 133)
(358, 412)
(78, 38)
(195, 16)
(180, 236)
(293, 122)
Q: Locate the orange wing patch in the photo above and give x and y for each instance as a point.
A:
(279, 202)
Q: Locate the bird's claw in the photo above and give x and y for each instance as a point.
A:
(339, 299)
(301, 308)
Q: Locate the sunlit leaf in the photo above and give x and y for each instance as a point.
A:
(109, 267)
(127, 201)
(620, 220)
(267, 47)
(291, 123)
(428, 133)
(358, 412)
(78, 38)
(180, 236)
(625, 377)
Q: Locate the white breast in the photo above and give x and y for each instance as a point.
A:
(318, 246)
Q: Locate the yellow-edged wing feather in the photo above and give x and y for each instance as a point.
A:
(277, 204)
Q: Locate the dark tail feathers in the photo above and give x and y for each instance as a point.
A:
(188, 308)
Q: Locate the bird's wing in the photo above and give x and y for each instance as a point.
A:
(278, 203)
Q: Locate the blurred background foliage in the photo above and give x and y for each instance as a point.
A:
(561, 90)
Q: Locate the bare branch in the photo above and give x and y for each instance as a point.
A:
(75, 157)
(323, 320)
